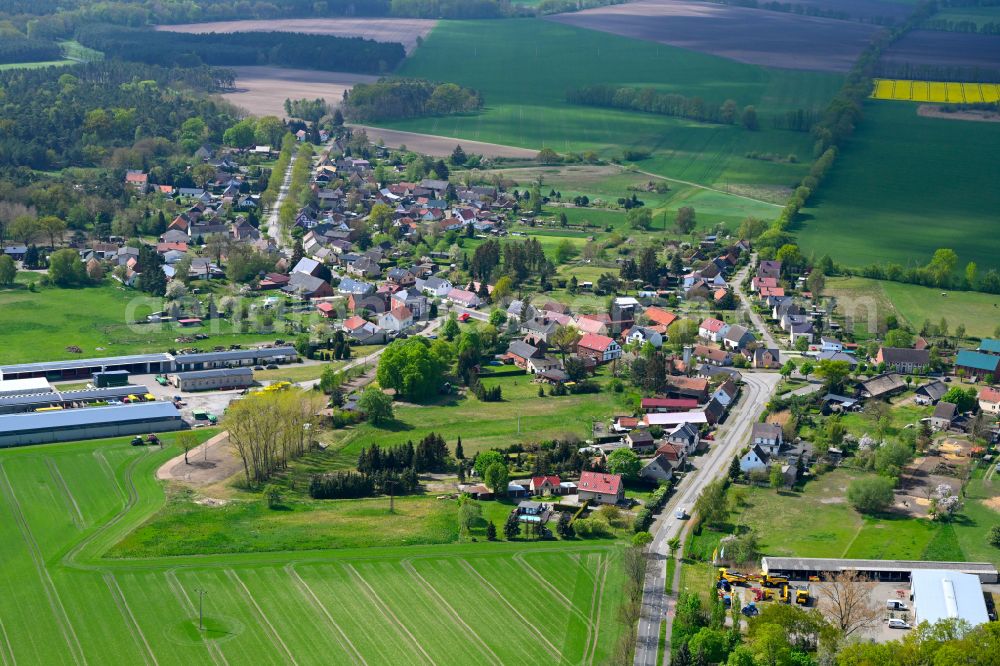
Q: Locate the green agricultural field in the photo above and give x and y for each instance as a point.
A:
(980, 313)
(39, 325)
(906, 185)
(978, 15)
(62, 507)
(524, 89)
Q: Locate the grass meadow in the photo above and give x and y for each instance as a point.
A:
(818, 522)
(39, 325)
(906, 185)
(62, 507)
(980, 313)
(524, 88)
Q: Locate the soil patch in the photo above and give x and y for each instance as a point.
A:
(442, 146)
(212, 462)
(263, 90)
(758, 37)
(993, 503)
(946, 49)
(404, 31)
(934, 111)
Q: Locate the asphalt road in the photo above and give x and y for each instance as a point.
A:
(657, 606)
(273, 224)
(747, 305)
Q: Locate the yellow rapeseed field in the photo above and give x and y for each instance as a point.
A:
(940, 92)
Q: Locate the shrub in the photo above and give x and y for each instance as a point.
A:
(870, 494)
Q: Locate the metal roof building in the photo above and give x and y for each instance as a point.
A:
(14, 404)
(84, 368)
(205, 380)
(24, 386)
(88, 423)
(233, 358)
(939, 594)
(800, 568)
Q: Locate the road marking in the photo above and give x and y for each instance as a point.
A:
(305, 589)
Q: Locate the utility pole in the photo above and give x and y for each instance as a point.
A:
(201, 608)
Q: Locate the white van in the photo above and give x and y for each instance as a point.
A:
(898, 624)
(894, 605)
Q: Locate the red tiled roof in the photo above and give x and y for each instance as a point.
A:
(325, 307)
(680, 403)
(595, 342)
(660, 316)
(537, 481)
(989, 394)
(354, 322)
(713, 325)
(596, 482)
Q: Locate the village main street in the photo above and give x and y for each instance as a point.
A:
(657, 606)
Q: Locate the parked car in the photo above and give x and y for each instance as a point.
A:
(681, 513)
(895, 623)
(272, 366)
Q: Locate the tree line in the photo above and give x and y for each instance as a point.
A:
(664, 104)
(327, 52)
(28, 50)
(395, 99)
(838, 123)
(926, 72)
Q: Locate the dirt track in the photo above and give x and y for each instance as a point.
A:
(441, 146)
(755, 36)
(262, 90)
(404, 31)
(206, 468)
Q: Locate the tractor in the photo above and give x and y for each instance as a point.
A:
(768, 580)
(138, 441)
(802, 596)
(733, 577)
(762, 594)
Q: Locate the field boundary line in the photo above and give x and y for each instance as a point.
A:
(181, 595)
(133, 625)
(408, 566)
(520, 558)
(232, 575)
(372, 595)
(75, 514)
(305, 589)
(99, 455)
(9, 651)
(55, 602)
(597, 612)
(552, 649)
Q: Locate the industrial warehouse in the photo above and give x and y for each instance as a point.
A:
(92, 423)
(212, 380)
(144, 364)
(804, 568)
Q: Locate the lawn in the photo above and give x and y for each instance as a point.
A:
(904, 186)
(39, 325)
(524, 89)
(915, 304)
(520, 417)
(818, 522)
(62, 507)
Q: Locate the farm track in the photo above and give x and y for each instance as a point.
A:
(311, 597)
(106, 466)
(51, 592)
(552, 649)
(386, 612)
(72, 507)
(133, 626)
(6, 649)
(470, 632)
(567, 602)
(598, 594)
(275, 637)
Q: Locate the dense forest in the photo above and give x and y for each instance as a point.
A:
(652, 101)
(27, 50)
(408, 98)
(341, 54)
(116, 114)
